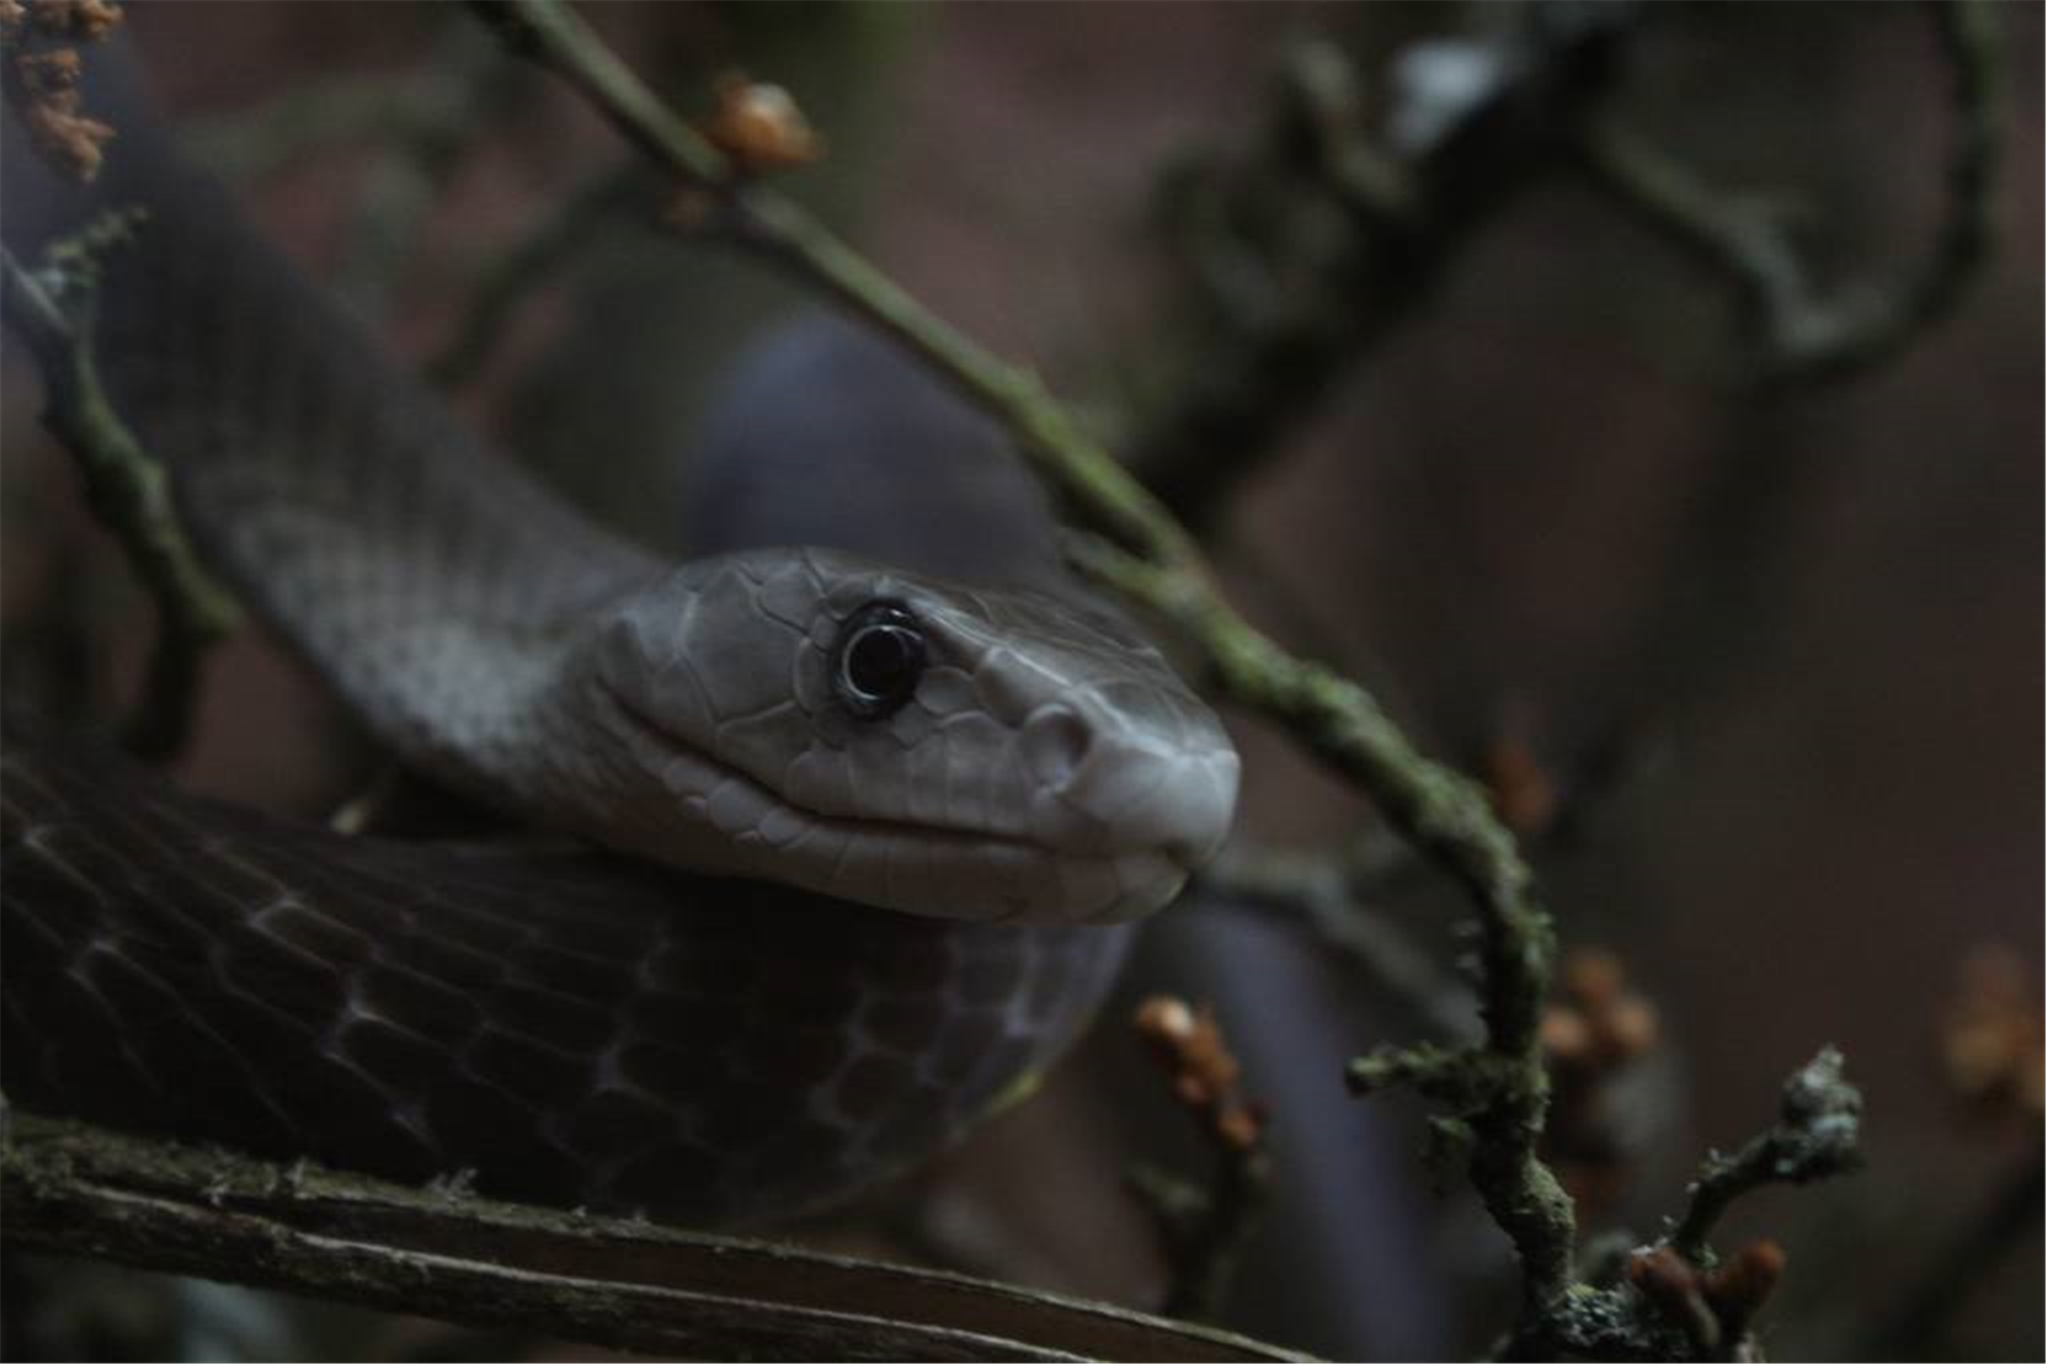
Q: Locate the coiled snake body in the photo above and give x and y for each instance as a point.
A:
(1013, 770)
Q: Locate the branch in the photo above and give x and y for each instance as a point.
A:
(1817, 1136)
(1501, 1085)
(1098, 491)
(1329, 896)
(452, 98)
(1799, 337)
(440, 104)
(418, 129)
(1205, 1231)
(1918, 1324)
(512, 276)
(1678, 1300)
(125, 487)
(1153, 561)
(39, 71)
(1318, 892)
(71, 1188)
(1323, 240)
(251, 144)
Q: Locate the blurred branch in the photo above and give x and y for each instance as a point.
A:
(1916, 1327)
(1325, 240)
(39, 71)
(126, 488)
(1319, 892)
(452, 97)
(1993, 1045)
(512, 276)
(53, 666)
(1597, 1034)
(311, 116)
(418, 131)
(1329, 894)
(1717, 591)
(1798, 336)
(72, 1188)
(1205, 1231)
(246, 145)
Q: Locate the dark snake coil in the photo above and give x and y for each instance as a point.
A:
(561, 1026)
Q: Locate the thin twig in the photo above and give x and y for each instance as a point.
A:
(1796, 336)
(126, 488)
(1316, 892)
(1098, 489)
(512, 277)
(455, 95)
(1501, 1086)
(1817, 1135)
(313, 116)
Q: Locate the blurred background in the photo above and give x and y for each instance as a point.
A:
(1755, 669)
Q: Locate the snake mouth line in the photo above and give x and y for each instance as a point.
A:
(1032, 881)
(965, 839)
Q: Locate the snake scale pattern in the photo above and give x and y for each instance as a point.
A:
(802, 741)
(576, 1028)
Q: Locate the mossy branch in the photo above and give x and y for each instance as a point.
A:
(126, 488)
(1678, 1299)
(1097, 490)
(1817, 1135)
(72, 1188)
(512, 277)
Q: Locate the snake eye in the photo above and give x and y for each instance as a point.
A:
(878, 658)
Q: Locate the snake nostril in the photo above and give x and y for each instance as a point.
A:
(1055, 743)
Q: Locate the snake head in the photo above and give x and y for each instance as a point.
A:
(815, 718)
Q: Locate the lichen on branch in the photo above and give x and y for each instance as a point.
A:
(50, 310)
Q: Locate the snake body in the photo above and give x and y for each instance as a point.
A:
(804, 740)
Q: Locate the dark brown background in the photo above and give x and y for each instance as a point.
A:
(1831, 723)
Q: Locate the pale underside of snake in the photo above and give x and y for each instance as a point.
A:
(865, 832)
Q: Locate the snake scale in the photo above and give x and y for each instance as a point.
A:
(864, 837)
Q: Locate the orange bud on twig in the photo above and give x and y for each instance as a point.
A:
(1594, 1030)
(1993, 1041)
(760, 127)
(1204, 1073)
(1737, 1289)
(43, 86)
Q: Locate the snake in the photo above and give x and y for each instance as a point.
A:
(839, 854)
